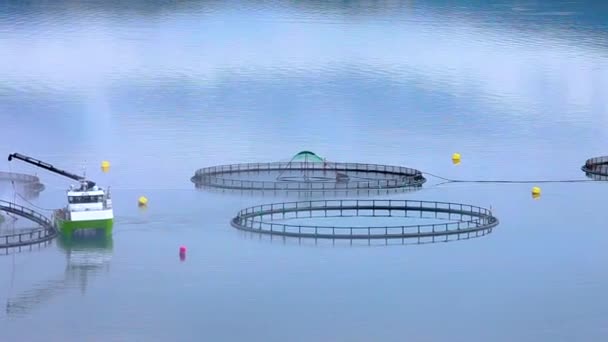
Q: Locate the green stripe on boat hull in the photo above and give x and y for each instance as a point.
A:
(67, 228)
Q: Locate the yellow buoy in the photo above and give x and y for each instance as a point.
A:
(535, 192)
(456, 158)
(105, 166)
(143, 201)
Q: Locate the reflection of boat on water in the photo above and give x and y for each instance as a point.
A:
(85, 257)
(87, 253)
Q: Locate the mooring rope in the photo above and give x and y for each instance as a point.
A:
(509, 181)
(32, 204)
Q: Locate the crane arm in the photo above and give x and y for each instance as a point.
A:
(51, 168)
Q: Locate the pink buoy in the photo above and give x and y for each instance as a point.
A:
(182, 253)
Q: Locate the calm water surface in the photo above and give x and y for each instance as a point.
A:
(160, 88)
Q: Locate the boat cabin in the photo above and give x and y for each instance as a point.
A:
(86, 200)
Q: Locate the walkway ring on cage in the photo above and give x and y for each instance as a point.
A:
(307, 176)
(309, 195)
(29, 183)
(597, 166)
(462, 219)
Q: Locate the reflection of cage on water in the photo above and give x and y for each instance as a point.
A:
(86, 258)
(461, 219)
(27, 248)
(596, 168)
(421, 240)
(307, 176)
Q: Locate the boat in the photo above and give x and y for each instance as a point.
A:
(89, 207)
(86, 209)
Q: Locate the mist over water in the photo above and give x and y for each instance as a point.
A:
(162, 88)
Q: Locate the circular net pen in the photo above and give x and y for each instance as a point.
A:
(308, 177)
(596, 168)
(430, 219)
(44, 232)
(323, 243)
(27, 185)
(303, 194)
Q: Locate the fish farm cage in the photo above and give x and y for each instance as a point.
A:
(322, 243)
(43, 233)
(27, 185)
(596, 168)
(306, 172)
(308, 194)
(462, 220)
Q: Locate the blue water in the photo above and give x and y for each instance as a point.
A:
(161, 88)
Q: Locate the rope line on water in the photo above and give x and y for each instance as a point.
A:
(32, 204)
(507, 181)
